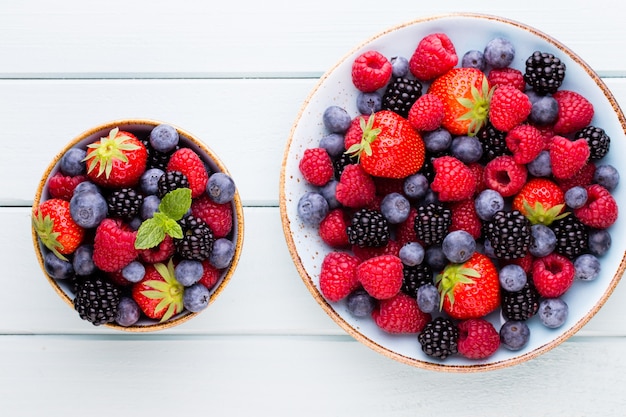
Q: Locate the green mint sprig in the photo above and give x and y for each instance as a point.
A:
(172, 208)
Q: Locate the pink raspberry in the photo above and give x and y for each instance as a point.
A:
(371, 71)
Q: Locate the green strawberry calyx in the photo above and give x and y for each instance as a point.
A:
(478, 106)
(44, 227)
(450, 277)
(170, 291)
(108, 150)
(370, 134)
(540, 215)
(172, 208)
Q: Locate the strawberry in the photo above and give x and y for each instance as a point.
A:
(478, 339)
(400, 315)
(465, 95)
(575, 112)
(464, 217)
(338, 275)
(508, 108)
(316, 166)
(210, 274)
(355, 188)
(471, 289)
(390, 147)
(505, 175)
(113, 245)
(540, 200)
(525, 143)
(117, 160)
(426, 114)
(507, 76)
(454, 181)
(552, 275)
(55, 227)
(370, 71)
(381, 276)
(568, 157)
(600, 211)
(332, 229)
(219, 217)
(433, 56)
(158, 294)
(188, 162)
(62, 186)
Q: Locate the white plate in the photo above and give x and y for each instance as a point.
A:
(467, 31)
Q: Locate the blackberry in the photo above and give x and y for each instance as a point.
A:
(415, 277)
(439, 338)
(520, 305)
(509, 234)
(341, 162)
(97, 300)
(170, 181)
(494, 143)
(544, 72)
(597, 139)
(432, 223)
(124, 203)
(368, 228)
(197, 241)
(400, 95)
(572, 236)
(157, 159)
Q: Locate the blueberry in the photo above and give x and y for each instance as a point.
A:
(395, 207)
(88, 209)
(188, 272)
(514, 335)
(220, 188)
(399, 66)
(222, 253)
(164, 138)
(328, 192)
(458, 246)
(576, 197)
(149, 181)
(544, 111)
(360, 303)
(72, 162)
(135, 223)
(532, 95)
(543, 240)
(149, 206)
(333, 143)
(336, 119)
(57, 268)
(430, 197)
(488, 203)
(599, 241)
(488, 249)
(436, 258)
(586, 267)
(134, 271)
(473, 59)
(467, 148)
(428, 298)
(499, 53)
(437, 140)
(415, 186)
(128, 312)
(607, 176)
(541, 166)
(412, 254)
(368, 103)
(553, 312)
(312, 208)
(83, 260)
(86, 186)
(196, 298)
(512, 277)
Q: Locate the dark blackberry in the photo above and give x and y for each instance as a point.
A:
(400, 95)
(170, 181)
(432, 223)
(415, 277)
(197, 241)
(341, 162)
(494, 143)
(597, 139)
(124, 203)
(520, 305)
(368, 228)
(572, 236)
(439, 338)
(544, 72)
(97, 300)
(509, 234)
(157, 159)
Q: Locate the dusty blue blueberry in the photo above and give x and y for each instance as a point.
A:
(468, 149)
(336, 119)
(488, 203)
(544, 111)
(607, 176)
(428, 298)
(395, 207)
(88, 209)
(415, 186)
(514, 335)
(437, 140)
(586, 267)
(553, 312)
(86, 186)
(164, 138)
(196, 298)
(149, 206)
(599, 241)
(430, 197)
(72, 162)
(576, 197)
(221, 188)
(499, 53)
(222, 253)
(412, 253)
(149, 181)
(83, 260)
(312, 208)
(188, 272)
(360, 303)
(543, 240)
(473, 59)
(458, 246)
(134, 271)
(333, 143)
(57, 268)
(328, 192)
(399, 66)
(512, 277)
(368, 103)
(541, 166)
(435, 257)
(128, 312)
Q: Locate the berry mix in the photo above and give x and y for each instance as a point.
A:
(464, 188)
(137, 225)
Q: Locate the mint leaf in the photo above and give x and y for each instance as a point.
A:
(173, 229)
(150, 233)
(176, 203)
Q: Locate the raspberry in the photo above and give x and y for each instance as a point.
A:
(219, 217)
(575, 112)
(62, 186)
(507, 76)
(552, 275)
(381, 276)
(354, 134)
(113, 246)
(332, 229)
(316, 166)
(568, 157)
(210, 274)
(159, 253)
(600, 210)
(405, 231)
(478, 339)
(505, 176)
(391, 248)
(464, 217)
(426, 113)
(525, 142)
(454, 181)
(434, 56)
(582, 178)
(508, 108)
(338, 276)
(356, 187)
(371, 71)
(188, 162)
(400, 314)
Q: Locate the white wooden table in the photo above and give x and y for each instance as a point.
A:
(236, 74)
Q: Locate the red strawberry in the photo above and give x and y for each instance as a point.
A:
(381, 276)
(210, 274)
(160, 253)
(390, 147)
(391, 248)
(575, 112)
(507, 76)
(62, 186)
(471, 289)
(114, 245)
(158, 294)
(464, 217)
(505, 175)
(540, 200)
(316, 166)
(355, 188)
(370, 71)
(478, 339)
(600, 211)
(525, 142)
(332, 229)
(118, 160)
(399, 315)
(219, 217)
(552, 275)
(55, 227)
(338, 275)
(426, 113)
(454, 181)
(188, 162)
(568, 157)
(434, 56)
(508, 108)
